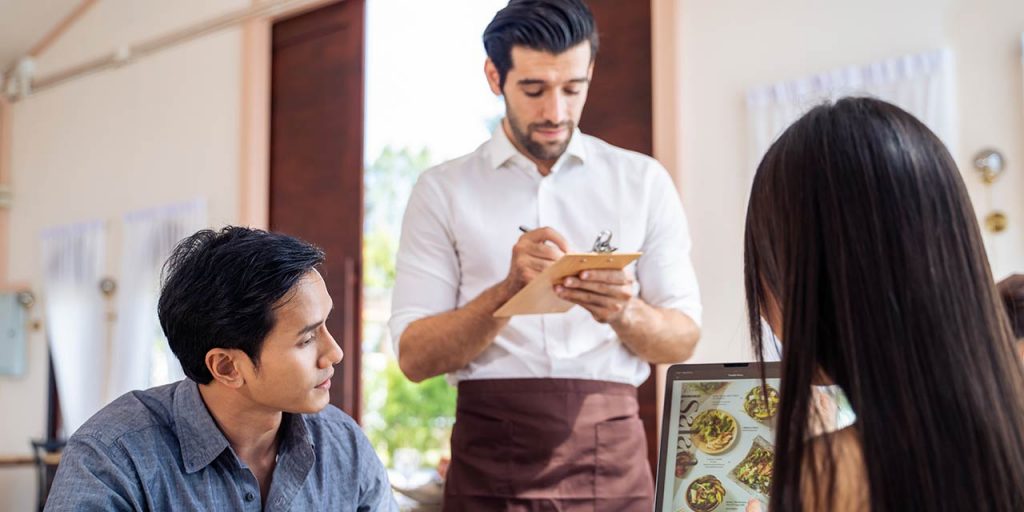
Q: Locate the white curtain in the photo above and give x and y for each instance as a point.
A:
(140, 357)
(73, 260)
(921, 84)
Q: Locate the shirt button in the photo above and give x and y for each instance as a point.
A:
(249, 496)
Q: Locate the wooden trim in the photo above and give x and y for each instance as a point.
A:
(54, 33)
(259, 10)
(5, 140)
(19, 286)
(316, 161)
(61, 27)
(666, 71)
(5, 180)
(50, 459)
(295, 10)
(254, 161)
(666, 74)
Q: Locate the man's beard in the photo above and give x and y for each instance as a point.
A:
(537, 150)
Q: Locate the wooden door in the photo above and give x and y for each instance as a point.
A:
(316, 161)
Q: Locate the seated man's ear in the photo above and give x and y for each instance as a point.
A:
(223, 365)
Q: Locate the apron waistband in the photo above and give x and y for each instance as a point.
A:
(574, 386)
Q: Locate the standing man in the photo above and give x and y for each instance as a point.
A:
(547, 407)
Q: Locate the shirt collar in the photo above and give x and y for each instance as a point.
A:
(502, 150)
(202, 441)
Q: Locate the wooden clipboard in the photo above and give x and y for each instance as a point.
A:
(539, 297)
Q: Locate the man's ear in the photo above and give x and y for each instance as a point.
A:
(493, 77)
(223, 365)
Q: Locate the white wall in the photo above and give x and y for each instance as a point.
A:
(160, 130)
(728, 46)
(990, 80)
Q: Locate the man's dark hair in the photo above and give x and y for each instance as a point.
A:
(221, 289)
(545, 25)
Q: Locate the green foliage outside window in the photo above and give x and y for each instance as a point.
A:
(397, 413)
(417, 416)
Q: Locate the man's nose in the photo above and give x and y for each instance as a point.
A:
(556, 109)
(333, 355)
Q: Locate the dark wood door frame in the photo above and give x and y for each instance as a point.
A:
(316, 162)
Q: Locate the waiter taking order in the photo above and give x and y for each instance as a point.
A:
(547, 404)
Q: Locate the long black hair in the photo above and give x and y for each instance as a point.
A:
(860, 230)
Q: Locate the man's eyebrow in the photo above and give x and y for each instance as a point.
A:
(537, 81)
(314, 326)
(310, 328)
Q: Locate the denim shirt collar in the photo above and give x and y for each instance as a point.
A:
(202, 441)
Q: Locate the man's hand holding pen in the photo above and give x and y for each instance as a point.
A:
(532, 254)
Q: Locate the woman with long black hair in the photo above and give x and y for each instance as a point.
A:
(863, 254)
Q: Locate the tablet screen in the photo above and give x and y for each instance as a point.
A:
(718, 449)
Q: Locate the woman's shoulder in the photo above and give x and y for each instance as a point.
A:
(844, 449)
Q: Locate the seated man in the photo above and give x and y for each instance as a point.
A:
(250, 428)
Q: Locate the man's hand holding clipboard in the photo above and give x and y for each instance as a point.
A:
(549, 279)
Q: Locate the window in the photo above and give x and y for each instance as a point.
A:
(426, 101)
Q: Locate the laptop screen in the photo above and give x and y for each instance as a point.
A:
(717, 437)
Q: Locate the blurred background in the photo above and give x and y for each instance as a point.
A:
(127, 124)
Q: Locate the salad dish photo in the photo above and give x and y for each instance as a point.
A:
(761, 403)
(754, 472)
(705, 494)
(714, 431)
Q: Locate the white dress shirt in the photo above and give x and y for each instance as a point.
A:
(462, 221)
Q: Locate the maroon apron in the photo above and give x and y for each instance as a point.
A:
(548, 444)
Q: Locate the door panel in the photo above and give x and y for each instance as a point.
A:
(316, 161)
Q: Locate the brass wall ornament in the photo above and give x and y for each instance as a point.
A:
(108, 286)
(26, 298)
(996, 222)
(990, 165)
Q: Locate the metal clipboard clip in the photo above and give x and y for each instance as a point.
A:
(603, 244)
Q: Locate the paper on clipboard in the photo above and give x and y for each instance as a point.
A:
(539, 297)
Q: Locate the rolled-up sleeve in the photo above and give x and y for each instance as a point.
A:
(427, 267)
(665, 272)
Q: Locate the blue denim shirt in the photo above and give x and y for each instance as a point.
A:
(160, 449)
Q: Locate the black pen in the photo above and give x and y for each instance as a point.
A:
(524, 229)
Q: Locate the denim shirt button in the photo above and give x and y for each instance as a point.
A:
(249, 496)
